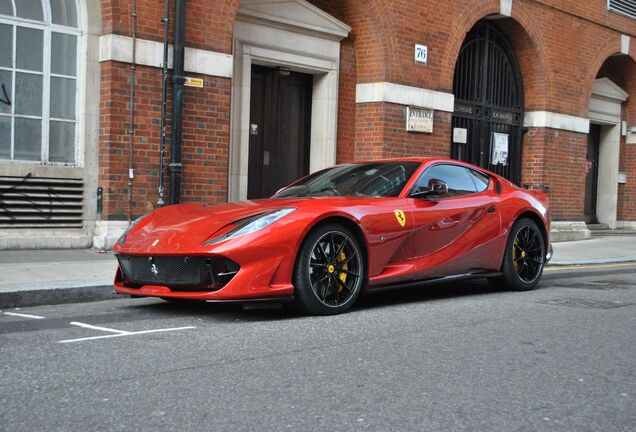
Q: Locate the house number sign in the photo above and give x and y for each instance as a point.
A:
(421, 54)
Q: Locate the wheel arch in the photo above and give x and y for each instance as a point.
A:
(528, 214)
(349, 224)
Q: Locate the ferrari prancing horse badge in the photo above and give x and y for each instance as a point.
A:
(401, 218)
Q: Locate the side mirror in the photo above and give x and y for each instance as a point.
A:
(436, 187)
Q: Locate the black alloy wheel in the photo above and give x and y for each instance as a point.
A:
(329, 271)
(527, 254)
(524, 258)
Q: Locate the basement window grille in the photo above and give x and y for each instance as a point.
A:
(623, 7)
(38, 202)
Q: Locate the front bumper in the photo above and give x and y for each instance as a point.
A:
(253, 281)
(265, 267)
(179, 273)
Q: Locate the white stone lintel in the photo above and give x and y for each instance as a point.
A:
(552, 120)
(404, 95)
(119, 48)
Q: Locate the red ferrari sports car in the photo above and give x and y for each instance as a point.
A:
(325, 238)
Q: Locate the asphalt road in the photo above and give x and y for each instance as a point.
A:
(441, 358)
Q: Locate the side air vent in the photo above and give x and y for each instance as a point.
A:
(37, 202)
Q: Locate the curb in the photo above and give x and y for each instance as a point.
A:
(56, 296)
(599, 261)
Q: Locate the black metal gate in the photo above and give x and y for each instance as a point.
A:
(488, 102)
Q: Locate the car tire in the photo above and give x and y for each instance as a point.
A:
(330, 272)
(524, 258)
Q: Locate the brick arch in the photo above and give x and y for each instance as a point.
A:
(461, 25)
(525, 37)
(386, 50)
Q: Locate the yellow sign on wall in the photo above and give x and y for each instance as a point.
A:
(193, 82)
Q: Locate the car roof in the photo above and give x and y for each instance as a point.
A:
(422, 160)
(419, 160)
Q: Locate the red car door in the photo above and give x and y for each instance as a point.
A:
(455, 232)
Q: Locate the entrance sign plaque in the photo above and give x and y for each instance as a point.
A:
(419, 120)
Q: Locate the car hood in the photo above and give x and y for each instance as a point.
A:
(193, 224)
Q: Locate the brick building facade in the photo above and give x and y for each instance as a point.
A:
(576, 64)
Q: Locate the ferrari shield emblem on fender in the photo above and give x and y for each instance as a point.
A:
(401, 218)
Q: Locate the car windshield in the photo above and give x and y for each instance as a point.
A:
(375, 179)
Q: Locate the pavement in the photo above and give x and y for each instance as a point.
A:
(41, 277)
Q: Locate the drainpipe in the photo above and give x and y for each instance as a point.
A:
(164, 101)
(176, 167)
(131, 129)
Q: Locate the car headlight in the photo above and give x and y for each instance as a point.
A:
(122, 239)
(250, 225)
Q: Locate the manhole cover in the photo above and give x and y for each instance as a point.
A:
(601, 286)
(584, 303)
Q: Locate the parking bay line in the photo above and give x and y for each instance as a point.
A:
(93, 327)
(23, 315)
(118, 333)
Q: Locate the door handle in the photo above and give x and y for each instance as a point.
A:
(491, 209)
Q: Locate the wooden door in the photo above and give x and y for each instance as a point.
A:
(591, 178)
(280, 126)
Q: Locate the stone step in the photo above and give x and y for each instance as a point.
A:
(597, 227)
(609, 232)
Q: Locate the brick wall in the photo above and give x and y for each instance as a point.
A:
(558, 159)
(205, 140)
(209, 22)
(560, 44)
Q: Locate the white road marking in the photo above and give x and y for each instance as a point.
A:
(24, 315)
(105, 329)
(127, 334)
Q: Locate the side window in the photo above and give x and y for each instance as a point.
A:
(457, 178)
(481, 180)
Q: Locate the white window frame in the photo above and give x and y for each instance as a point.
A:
(47, 28)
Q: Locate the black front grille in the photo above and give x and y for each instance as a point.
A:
(179, 273)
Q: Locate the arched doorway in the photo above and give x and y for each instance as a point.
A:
(488, 116)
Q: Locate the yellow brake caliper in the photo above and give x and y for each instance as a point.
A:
(342, 276)
(514, 253)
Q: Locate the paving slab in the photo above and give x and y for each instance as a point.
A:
(30, 278)
(597, 250)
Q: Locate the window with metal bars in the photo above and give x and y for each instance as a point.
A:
(623, 7)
